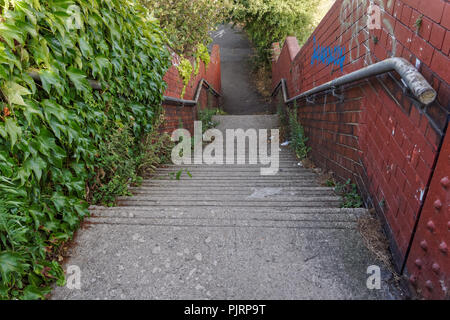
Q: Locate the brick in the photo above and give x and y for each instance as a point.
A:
(446, 43)
(422, 49)
(433, 9)
(446, 15)
(443, 95)
(398, 7)
(441, 65)
(412, 3)
(437, 36)
(403, 34)
(406, 15)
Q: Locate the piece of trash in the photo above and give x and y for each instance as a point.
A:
(286, 143)
(300, 164)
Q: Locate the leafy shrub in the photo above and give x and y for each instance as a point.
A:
(155, 148)
(188, 23)
(57, 136)
(269, 21)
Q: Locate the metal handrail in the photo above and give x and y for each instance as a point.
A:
(202, 83)
(411, 77)
(166, 100)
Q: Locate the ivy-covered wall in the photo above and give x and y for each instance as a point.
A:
(61, 143)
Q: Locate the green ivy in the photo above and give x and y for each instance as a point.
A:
(201, 54)
(53, 132)
(185, 71)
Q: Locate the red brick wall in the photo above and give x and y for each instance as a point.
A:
(174, 115)
(379, 137)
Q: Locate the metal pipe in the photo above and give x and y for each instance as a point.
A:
(418, 85)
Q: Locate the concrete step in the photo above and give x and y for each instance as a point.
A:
(230, 183)
(234, 176)
(231, 190)
(317, 202)
(223, 169)
(232, 223)
(275, 192)
(325, 214)
(225, 210)
(234, 198)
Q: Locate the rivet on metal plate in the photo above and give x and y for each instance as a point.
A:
(418, 263)
(437, 204)
(443, 247)
(445, 182)
(424, 245)
(436, 267)
(431, 226)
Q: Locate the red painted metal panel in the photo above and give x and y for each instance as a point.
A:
(428, 263)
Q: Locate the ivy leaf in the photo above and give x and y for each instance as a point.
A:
(14, 92)
(32, 292)
(36, 164)
(10, 33)
(52, 108)
(85, 48)
(79, 80)
(59, 201)
(50, 78)
(10, 262)
(13, 130)
(100, 64)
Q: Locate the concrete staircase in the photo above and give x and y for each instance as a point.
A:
(225, 233)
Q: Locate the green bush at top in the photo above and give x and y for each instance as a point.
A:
(188, 23)
(59, 138)
(269, 21)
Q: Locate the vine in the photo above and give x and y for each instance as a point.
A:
(185, 67)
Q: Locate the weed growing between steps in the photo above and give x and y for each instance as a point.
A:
(292, 130)
(349, 192)
(206, 117)
(297, 135)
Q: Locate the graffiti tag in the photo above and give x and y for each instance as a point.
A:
(328, 55)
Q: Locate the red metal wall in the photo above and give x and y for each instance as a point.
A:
(188, 114)
(428, 262)
(379, 137)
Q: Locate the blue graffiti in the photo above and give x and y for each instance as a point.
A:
(327, 55)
